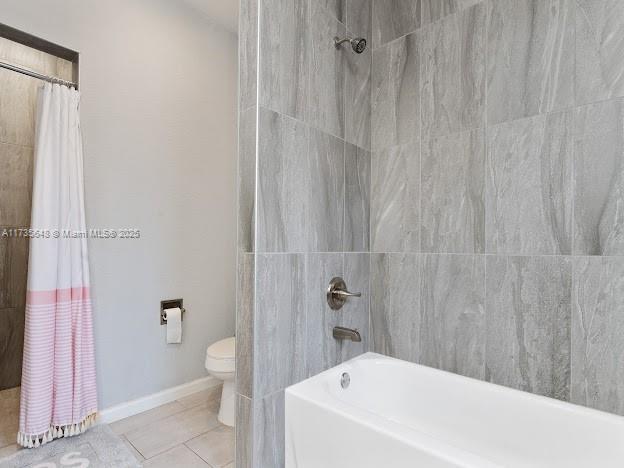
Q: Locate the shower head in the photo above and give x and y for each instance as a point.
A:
(358, 44)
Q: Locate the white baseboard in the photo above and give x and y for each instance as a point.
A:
(130, 408)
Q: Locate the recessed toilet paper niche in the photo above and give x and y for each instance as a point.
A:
(170, 304)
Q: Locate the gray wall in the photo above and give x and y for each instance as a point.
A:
(158, 108)
(497, 176)
(304, 190)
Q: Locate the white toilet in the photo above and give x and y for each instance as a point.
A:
(221, 363)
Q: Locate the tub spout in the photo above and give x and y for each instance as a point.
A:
(341, 333)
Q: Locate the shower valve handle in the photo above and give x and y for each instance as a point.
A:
(337, 293)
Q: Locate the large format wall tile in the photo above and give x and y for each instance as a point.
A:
(453, 173)
(269, 438)
(395, 99)
(17, 108)
(279, 322)
(244, 324)
(395, 199)
(337, 8)
(357, 199)
(393, 19)
(325, 190)
(395, 305)
(15, 185)
(248, 54)
(244, 432)
(326, 101)
(282, 199)
(323, 350)
(433, 10)
(599, 179)
(246, 179)
(13, 272)
(530, 57)
(528, 323)
(359, 19)
(453, 73)
(529, 186)
(11, 345)
(452, 305)
(284, 56)
(357, 98)
(599, 44)
(597, 331)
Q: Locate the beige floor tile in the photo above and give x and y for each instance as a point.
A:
(215, 447)
(179, 456)
(209, 398)
(134, 451)
(147, 418)
(159, 437)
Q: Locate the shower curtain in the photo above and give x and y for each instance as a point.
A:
(58, 378)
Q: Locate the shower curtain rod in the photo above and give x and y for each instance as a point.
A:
(34, 74)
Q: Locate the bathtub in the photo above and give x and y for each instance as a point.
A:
(397, 414)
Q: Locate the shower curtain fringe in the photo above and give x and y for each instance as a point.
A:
(56, 432)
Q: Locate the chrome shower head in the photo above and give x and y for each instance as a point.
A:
(358, 44)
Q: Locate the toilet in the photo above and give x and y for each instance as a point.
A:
(221, 364)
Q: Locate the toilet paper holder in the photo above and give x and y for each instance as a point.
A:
(170, 304)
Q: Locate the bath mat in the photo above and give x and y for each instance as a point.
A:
(99, 447)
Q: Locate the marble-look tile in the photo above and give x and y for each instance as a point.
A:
(172, 431)
(337, 8)
(599, 43)
(248, 54)
(285, 56)
(246, 179)
(269, 438)
(17, 108)
(11, 346)
(321, 347)
(13, 272)
(244, 324)
(393, 19)
(326, 89)
(357, 199)
(15, 184)
(453, 73)
(325, 191)
(453, 179)
(597, 351)
(215, 447)
(529, 186)
(599, 179)
(359, 19)
(140, 458)
(243, 432)
(357, 91)
(322, 350)
(433, 10)
(280, 322)
(146, 418)
(9, 412)
(395, 199)
(177, 456)
(528, 323)
(300, 188)
(395, 95)
(395, 305)
(530, 58)
(452, 308)
(282, 178)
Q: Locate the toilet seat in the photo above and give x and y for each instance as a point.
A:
(220, 356)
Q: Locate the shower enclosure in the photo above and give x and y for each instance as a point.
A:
(18, 95)
(464, 172)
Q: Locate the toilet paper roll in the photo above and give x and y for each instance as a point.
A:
(174, 325)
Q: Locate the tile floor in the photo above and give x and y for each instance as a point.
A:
(184, 433)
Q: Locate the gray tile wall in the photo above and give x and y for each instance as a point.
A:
(18, 94)
(304, 204)
(497, 176)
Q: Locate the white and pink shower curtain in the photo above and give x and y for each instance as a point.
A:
(58, 378)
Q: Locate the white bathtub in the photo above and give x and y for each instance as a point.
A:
(397, 414)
